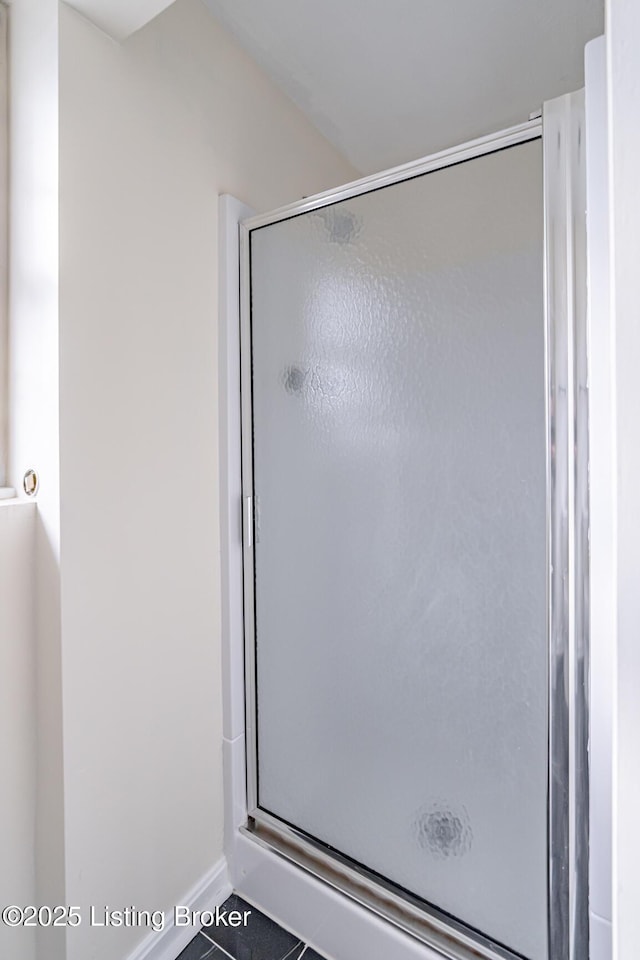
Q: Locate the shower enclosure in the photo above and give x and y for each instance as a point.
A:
(414, 469)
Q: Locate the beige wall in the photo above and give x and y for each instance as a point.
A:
(151, 132)
(17, 722)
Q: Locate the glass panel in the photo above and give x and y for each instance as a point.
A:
(399, 467)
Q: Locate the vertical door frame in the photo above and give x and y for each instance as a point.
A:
(602, 493)
(568, 523)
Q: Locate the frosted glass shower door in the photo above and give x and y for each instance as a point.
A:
(399, 536)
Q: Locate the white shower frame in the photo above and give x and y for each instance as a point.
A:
(335, 924)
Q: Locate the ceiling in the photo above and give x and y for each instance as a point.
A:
(388, 81)
(120, 18)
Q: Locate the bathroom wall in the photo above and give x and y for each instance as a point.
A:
(151, 132)
(17, 721)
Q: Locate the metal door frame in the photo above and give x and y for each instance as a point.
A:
(562, 131)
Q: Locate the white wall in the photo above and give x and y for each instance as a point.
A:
(33, 397)
(623, 44)
(17, 721)
(150, 133)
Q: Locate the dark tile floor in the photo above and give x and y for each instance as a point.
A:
(260, 939)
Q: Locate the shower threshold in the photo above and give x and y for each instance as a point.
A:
(421, 920)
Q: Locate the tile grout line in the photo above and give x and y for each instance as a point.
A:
(210, 952)
(260, 909)
(286, 956)
(226, 953)
(299, 943)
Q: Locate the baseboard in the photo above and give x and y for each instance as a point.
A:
(210, 891)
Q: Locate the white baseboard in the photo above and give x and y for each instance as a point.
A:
(210, 891)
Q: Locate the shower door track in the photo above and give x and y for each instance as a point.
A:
(562, 131)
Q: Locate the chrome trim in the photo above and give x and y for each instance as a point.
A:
(437, 161)
(567, 478)
(556, 329)
(567, 546)
(580, 766)
(248, 536)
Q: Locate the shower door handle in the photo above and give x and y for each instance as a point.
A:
(248, 521)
